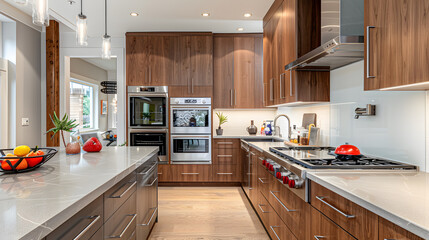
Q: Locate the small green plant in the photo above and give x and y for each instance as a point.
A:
(62, 125)
(222, 119)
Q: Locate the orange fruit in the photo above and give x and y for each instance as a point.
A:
(34, 161)
(5, 163)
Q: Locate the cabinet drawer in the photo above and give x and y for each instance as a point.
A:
(226, 156)
(226, 143)
(324, 229)
(226, 173)
(164, 173)
(263, 180)
(356, 220)
(122, 224)
(388, 230)
(192, 173)
(263, 208)
(118, 194)
(277, 228)
(98, 235)
(292, 210)
(83, 224)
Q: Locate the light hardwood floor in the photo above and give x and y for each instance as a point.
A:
(206, 213)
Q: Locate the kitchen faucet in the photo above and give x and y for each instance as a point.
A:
(275, 126)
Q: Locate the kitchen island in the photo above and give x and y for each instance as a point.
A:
(34, 204)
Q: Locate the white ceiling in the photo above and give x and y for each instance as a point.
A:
(163, 15)
(106, 64)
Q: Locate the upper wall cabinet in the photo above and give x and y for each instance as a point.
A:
(397, 38)
(182, 61)
(292, 29)
(238, 71)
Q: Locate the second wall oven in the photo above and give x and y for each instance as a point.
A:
(188, 149)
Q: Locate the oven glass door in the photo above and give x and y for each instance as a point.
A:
(151, 140)
(191, 149)
(148, 111)
(191, 120)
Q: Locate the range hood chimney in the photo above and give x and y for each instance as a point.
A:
(342, 37)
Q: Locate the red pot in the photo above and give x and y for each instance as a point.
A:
(348, 150)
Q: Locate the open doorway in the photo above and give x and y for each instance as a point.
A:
(93, 98)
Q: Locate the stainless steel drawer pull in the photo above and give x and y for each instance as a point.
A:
(225, 143)
(262, 181)
(336, 209)
(319, 237)
(260, 207)
(190, 173)
(125, 192)
(274, 231)
(94, 220)
(150, 220)
(261, 158)
(150, 185)
(224, 173)
(148, 171)
(126, 227)
(368, 47)
(252, 153)
(287, 209)
(224, 156)
(160, 173)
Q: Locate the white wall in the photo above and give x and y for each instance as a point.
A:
(239, 120)
(396, 132)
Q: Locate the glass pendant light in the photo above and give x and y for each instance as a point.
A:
(40, 13)
(81, 28)
(107, 43)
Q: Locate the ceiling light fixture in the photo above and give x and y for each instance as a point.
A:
(205, 14)
(134, 14)
(107, 43)
(240, 29)
(81, 28)
(41, 13)
(247, 15)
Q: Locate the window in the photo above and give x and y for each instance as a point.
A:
(82, 101)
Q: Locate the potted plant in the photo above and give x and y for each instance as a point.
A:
(222, 120)
(65, 125)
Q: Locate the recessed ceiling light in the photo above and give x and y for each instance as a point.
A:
(248, 15)
(205, 14)
(240, 29)
(134, 14)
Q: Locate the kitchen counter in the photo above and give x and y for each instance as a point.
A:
(402, 198)
(248, 136)
(33, 204)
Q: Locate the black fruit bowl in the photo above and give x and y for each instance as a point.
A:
(49, 153)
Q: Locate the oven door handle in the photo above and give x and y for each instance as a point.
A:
(190, 137)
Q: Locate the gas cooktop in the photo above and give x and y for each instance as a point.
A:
(324, 158)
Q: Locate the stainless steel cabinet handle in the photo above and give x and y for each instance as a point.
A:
(150, 220)
(190, 173)
(125, 192)
(272, 89)
(150, 185)
(160, 173)
(94, 220)
(235, 97)
(232, 98)
(224, 173)
(224, 156)
(150, 74)
(225, 143)
(262, 181)
(319, 237)
(148, 171)
(260, 207)
(334, 208)
(368, 46)
(291, 85)
(253, 153)
(281, 203)
(192, 85)
(126, 227)
(282, 94)
(261, 158)
(274, 231)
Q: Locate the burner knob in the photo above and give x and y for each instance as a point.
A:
(278, 175)
(271, 168)
(292, 183)
(264, 162)
(285, 180)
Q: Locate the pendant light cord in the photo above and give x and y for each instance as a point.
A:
(81, 7)
(105, 18)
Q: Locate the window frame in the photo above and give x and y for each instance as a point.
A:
(94, 106)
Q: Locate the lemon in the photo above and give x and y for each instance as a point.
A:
(21, 151)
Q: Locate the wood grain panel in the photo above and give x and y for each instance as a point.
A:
(182, 62)
(123, 221)
(244, 71)
(268, 61)
(112, 199)
(137, 60)
(192, 173)
(258, 93)
(164, 173)
(226, 156)
(226, 143)
(52, 79)
(388, 230)
(364, 224)
(311, 86)
(309, 26)
(201, 61)
(277, 54)
(226, 173)
(223, 72)
(277, 228)
(323, 228)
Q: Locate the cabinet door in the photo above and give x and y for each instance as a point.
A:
(192, 173)
(161, 60)
(223, 72)
(289, 48)
(398, 50)
(201, 61)
(137, 60)
(244, 71)
(322, 228)
(388, 230)
(226, 173)
(182, 62)
(277, 54)
(268, 64)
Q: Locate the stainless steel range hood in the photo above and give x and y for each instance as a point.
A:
(342, 37)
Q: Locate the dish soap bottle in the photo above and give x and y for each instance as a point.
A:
(263, 129)
(268, 129)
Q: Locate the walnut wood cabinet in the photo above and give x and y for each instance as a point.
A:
(182, 61)
(226, 160)
(396, 40)
(388, 230)
(238, 73)
(291, 29)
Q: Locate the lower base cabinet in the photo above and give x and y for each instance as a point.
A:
(388, 230)
(323, 228)
(122, 224)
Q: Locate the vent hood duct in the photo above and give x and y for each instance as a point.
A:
(342, 37)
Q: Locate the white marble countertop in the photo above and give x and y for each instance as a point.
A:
(402, 198)
(35, 203)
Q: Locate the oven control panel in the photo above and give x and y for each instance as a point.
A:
(190, 101)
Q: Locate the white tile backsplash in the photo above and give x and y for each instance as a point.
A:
(239, 120)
